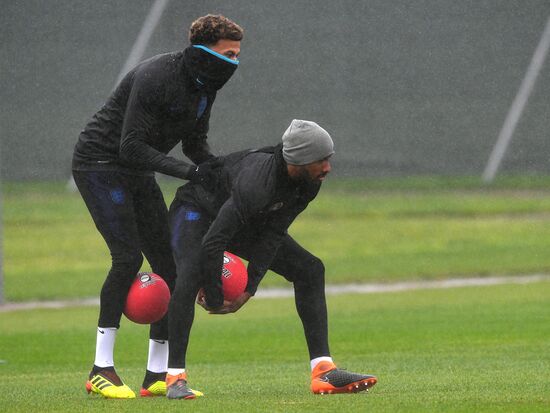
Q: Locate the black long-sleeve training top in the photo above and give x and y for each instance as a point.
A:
(157, 105)
(255, 198)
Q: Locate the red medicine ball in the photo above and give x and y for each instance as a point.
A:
(234, 276)
(148, 298)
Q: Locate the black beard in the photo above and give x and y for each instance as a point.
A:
(304, 181)
(207, 70)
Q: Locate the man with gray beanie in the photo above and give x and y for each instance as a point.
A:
(258, 196)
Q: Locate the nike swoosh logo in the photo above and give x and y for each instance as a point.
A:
(101, 331)
(160, 341)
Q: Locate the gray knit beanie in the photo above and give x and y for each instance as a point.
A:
(306, 142)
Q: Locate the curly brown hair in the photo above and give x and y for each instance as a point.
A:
(208, 30)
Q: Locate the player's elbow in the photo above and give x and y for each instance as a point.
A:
(134, 153)
(128, 151)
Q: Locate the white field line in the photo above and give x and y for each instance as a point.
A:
(411, 285)
(330, 290)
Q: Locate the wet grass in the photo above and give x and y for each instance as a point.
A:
(364, 230)
(482, 349)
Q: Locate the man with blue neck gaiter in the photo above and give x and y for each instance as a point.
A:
(162, 102)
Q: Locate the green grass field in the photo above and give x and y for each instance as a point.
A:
(476, 349)
(364, 232)
(480, 349)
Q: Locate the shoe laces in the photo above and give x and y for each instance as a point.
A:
(181, 384)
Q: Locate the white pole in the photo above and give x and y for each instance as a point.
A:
(138, 49)
(147, 30)
(1, 241)
(518, 105)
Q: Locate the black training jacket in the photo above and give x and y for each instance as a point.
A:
(255, 198)
(156, 106)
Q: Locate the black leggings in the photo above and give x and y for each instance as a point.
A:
(292, 261)
(130, 213)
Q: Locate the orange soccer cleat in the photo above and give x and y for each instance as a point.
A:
(326, 378)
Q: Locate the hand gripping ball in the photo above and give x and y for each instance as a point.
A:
(148, 298)
(234, 276)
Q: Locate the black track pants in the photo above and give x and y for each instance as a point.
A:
(130, 213)
(293, 262)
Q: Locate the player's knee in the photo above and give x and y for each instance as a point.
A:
(168, 274)
(313, 272)
(187, 282)
(127, 263)
(317, 270)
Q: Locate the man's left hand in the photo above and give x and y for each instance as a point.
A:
(207, 173)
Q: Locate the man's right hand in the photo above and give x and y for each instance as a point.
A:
(206, 173)
(227, 307)
(232, 306)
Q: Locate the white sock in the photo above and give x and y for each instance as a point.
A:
(157, 362)
(175, 372)
(317, 360)
(104, 347)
